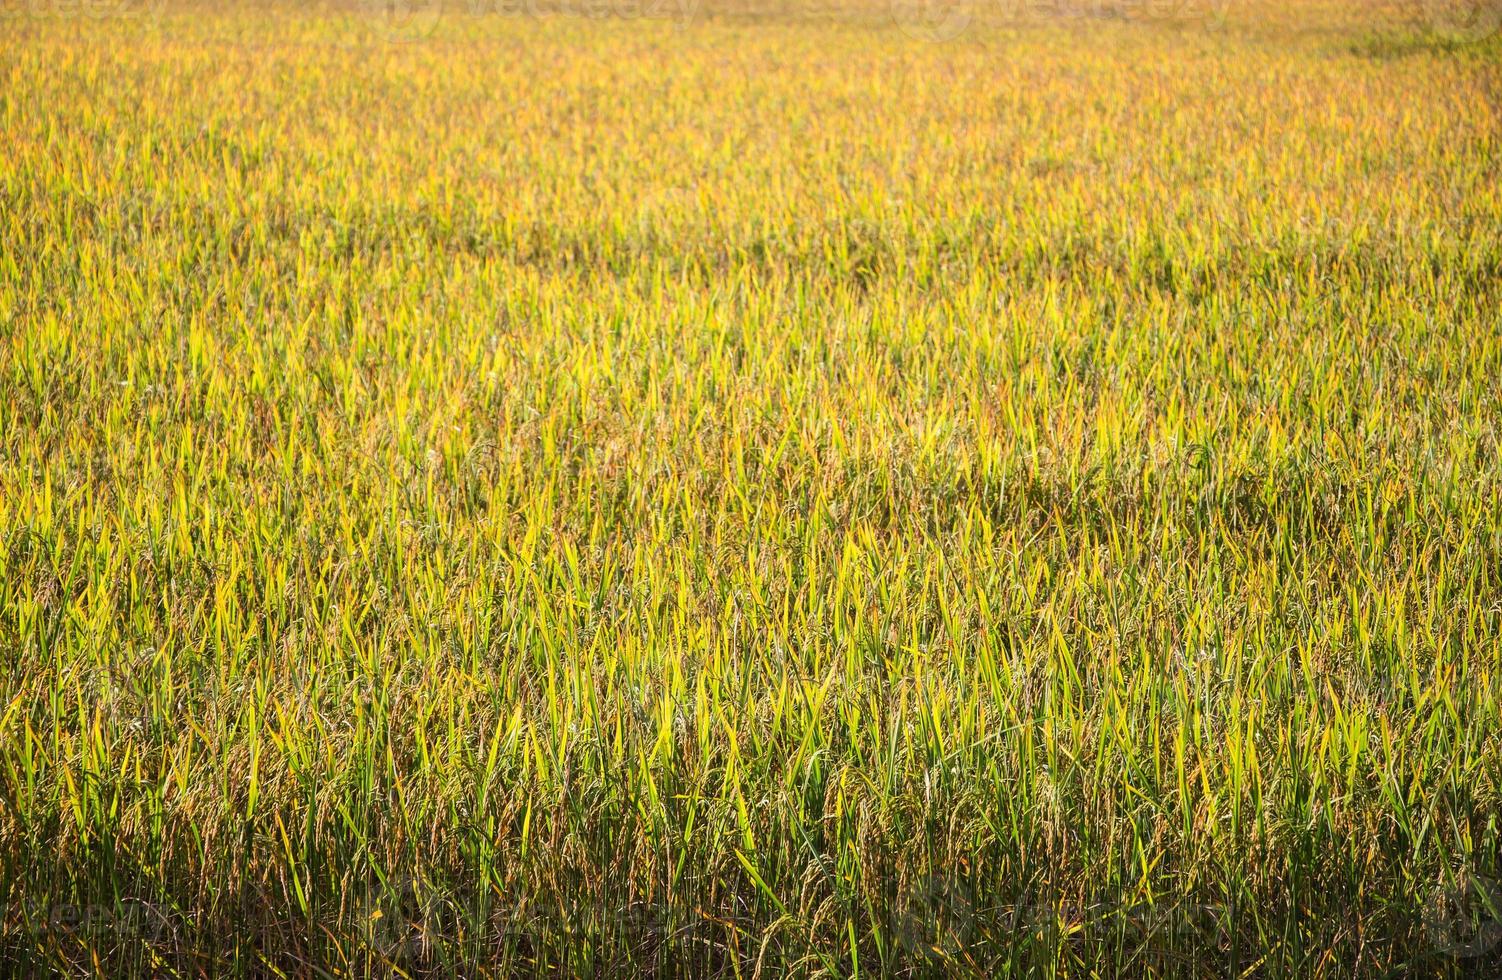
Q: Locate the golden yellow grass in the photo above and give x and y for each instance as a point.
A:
(749, 490)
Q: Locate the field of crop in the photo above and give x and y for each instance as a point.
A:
(754, 491)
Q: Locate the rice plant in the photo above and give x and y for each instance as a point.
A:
(750, 490)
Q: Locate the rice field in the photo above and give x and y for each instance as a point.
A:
(751, 488)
